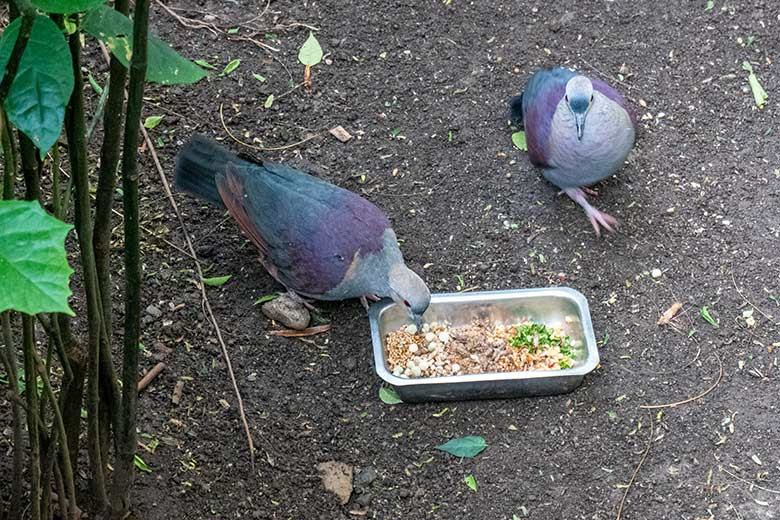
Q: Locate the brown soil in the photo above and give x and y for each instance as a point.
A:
(699, 199)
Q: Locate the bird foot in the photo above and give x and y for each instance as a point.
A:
(300, 299)
(598, 219)
(590, 191)
(364, 300)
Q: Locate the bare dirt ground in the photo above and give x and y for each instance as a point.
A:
(423, 87)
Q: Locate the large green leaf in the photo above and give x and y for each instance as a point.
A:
(43, 83)
(464, 447)
(34, 268)
(165, 66)
(66, 6)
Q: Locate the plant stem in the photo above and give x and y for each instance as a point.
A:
(9, 156)
(32, 181)
(31, 393)
(9, 359)
(28, 18)
(126, 445)
(109, 162)
(77, 146)
(61, 433)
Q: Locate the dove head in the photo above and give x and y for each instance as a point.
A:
(409, 290)
(579, 98)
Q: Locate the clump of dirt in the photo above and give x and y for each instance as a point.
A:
(477, 348)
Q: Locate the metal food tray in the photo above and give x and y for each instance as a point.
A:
(550, 306)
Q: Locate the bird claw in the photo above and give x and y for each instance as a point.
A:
(300, 299)
(600, 219)
(364, 300)
(590, 191)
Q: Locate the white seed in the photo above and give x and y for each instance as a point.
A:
(410, 364)
(426, 327)
(398, 370)
(416, 371)
(413, 348)
(455, 367)
(411, 329)
(444, 337)
(432, 346)
(430, 337)
(408, 372)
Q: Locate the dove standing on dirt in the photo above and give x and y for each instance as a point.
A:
(579, 130)
(318, 240)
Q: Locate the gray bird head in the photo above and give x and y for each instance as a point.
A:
(579, 98)
(408, 289)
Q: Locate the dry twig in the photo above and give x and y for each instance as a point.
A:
(311, 331)
(762, 313)
(204, 296)
(150, 375)
(690, 399)
(745, 481)
(261, 148)
(636, 471)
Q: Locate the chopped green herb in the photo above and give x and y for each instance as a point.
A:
(532, 336)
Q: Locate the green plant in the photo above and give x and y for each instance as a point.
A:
(535, 335)
(309, 55)
(40, 93)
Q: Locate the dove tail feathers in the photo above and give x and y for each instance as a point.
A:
(199, 163)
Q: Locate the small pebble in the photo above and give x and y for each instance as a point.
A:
(656, 273)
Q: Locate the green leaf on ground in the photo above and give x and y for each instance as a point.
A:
(471, 482)
(259, 77)
(269, 101)
(34, 268)
(230, 67)
(465, 446)
(152, 122)
(311, 52)
(140, 464)
(95, 85)
(759, 94)
(518, 138)
(43, 83)
(216, 281)
(66, 6)
(388, 395)
(710, 5)
(205, 64)
(165, 66)
(266, 298)
(705, 313)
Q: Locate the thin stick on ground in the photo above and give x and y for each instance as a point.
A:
(690, 399)
(261, 148)
(745, 481)
(762, 313)
(636, 471)
(204, 297)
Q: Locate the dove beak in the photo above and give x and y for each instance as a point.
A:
(579, 121)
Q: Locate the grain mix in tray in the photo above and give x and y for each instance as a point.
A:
(478, 348)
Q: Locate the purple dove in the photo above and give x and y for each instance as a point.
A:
(579, 130)
(318, 240)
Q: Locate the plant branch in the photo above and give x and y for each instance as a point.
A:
(77, 147)
(28, 18)
(126, 434)
(31, 393)
(8, 355)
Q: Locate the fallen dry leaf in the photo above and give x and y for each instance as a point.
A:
(311, 331)
(667, 316)
(339, 133)
(337, 478)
